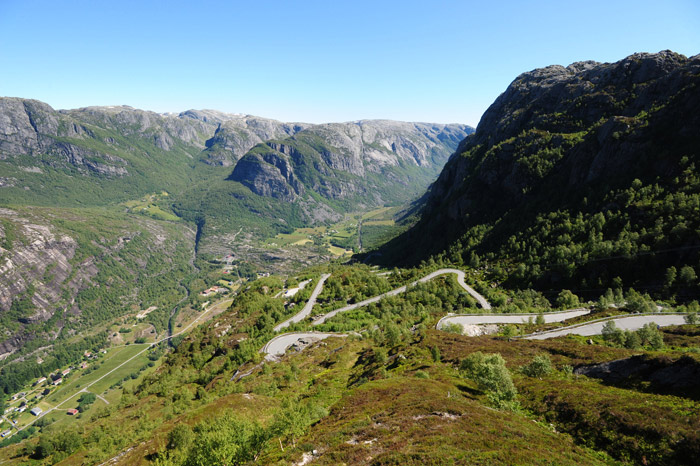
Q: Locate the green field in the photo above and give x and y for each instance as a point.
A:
(113, 359)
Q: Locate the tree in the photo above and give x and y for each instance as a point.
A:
(491, 375)
(609, 329)
(687, 275)
(670, 277)
(44, 448)
(612, 334)
(691, 318)
(650, 335)
(227, 440)
(632, 340)
(567, 300)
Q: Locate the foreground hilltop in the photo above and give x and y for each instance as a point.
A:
(577, 175)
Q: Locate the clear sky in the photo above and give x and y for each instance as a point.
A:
(317, 61)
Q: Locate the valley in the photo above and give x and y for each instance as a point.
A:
(209, 288)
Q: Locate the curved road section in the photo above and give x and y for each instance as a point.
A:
(624, 323)
(460, 279)
(278, 345)
(479, 319)
(301, 315)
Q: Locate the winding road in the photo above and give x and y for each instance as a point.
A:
(460, 279)
(478, 319)
(278, 345)
(633, 322)
(301, 315)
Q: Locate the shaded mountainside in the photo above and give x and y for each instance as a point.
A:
(577, 176)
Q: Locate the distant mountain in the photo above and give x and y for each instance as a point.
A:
(582, 176)
(120, 153)
(365, 159)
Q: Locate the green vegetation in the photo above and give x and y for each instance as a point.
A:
(491, 376)
(195, 410)
(649, 335)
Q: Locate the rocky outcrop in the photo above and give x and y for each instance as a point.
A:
(664, 375)
(60, 266)
(268, 173)
(595, 119)
(240, 133)
(35, 267)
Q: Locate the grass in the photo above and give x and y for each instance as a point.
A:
(114, 358)
(336, 251)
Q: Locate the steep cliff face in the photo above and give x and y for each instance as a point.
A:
(268, 173)
(369, 161)
(32, 128)
(562, 145)
(63, 270)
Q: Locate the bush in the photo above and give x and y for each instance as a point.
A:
(180, 438)
(540, 366)
(453, 328)
(435, 352)
(567, 300)
(491, 376)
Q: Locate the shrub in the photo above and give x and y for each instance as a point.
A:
(453, 328)
(491, 376)
(567, 300)
(540, 366)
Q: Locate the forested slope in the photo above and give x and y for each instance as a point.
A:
(582, 177)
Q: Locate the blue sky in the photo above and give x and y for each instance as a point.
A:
(316, 61)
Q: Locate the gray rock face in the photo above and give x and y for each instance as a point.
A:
(268, 174)
(238, 134)
(45, 267)
(42, 260)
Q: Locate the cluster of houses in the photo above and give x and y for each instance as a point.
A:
(214, 290)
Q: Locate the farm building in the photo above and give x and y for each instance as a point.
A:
(36, 411)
